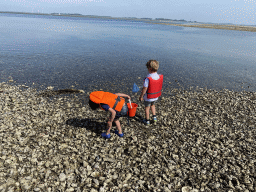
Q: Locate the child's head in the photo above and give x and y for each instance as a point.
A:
(93, 105)
(152, 65)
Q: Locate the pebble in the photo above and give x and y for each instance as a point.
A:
(62, 177)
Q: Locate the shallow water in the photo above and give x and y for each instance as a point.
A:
(84, 53)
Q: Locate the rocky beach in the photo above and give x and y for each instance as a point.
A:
(204, 140)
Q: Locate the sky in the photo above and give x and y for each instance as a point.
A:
(213, 11)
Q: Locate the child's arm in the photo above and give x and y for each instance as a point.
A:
(144, 90)
(123, 95)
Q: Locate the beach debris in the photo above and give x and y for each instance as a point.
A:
(50, 92)
(50, 87)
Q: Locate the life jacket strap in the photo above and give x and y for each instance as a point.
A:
(153, 93)
(118, 99)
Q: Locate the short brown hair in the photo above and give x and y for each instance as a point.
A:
(93, 105)
(153, 65)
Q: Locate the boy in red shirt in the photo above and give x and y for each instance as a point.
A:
(151, 89)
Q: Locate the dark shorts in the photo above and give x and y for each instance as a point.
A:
(121, 113)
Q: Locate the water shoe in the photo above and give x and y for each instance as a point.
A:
(154, 119)
(146, 122)
(105, 135)
(120, 135)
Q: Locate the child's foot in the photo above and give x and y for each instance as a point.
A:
(105, 135)
(146, 122)
(154, 119)
(120, 135)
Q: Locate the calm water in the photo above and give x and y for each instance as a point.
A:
(85, 53)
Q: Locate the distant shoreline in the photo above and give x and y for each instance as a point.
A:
(158, 21)
(215, 26)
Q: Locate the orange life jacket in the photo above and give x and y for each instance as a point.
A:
(114, 101)
(154, 87)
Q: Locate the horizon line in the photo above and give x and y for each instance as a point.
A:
(130, 18)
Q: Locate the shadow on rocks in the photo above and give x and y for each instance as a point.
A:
(137, 118)
(91, 125)
(96, 125)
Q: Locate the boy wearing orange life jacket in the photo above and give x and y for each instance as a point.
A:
(115, 104)
(151, 89)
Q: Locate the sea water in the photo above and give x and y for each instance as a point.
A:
(90, 53)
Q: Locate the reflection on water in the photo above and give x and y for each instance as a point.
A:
(81, 52)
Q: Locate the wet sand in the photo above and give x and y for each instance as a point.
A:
(214, 26)
(204, 140)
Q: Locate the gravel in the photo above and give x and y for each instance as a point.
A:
(204, 140)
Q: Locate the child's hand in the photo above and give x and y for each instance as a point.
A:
(144, 90)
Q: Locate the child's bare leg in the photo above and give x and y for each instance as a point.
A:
(109, 125)
(118, 126)
(153, 109)
(147, 112)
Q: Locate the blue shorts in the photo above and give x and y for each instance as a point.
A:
(121, 113)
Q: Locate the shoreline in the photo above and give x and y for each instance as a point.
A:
(215, 26)
(152, 21)
(203, 140)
